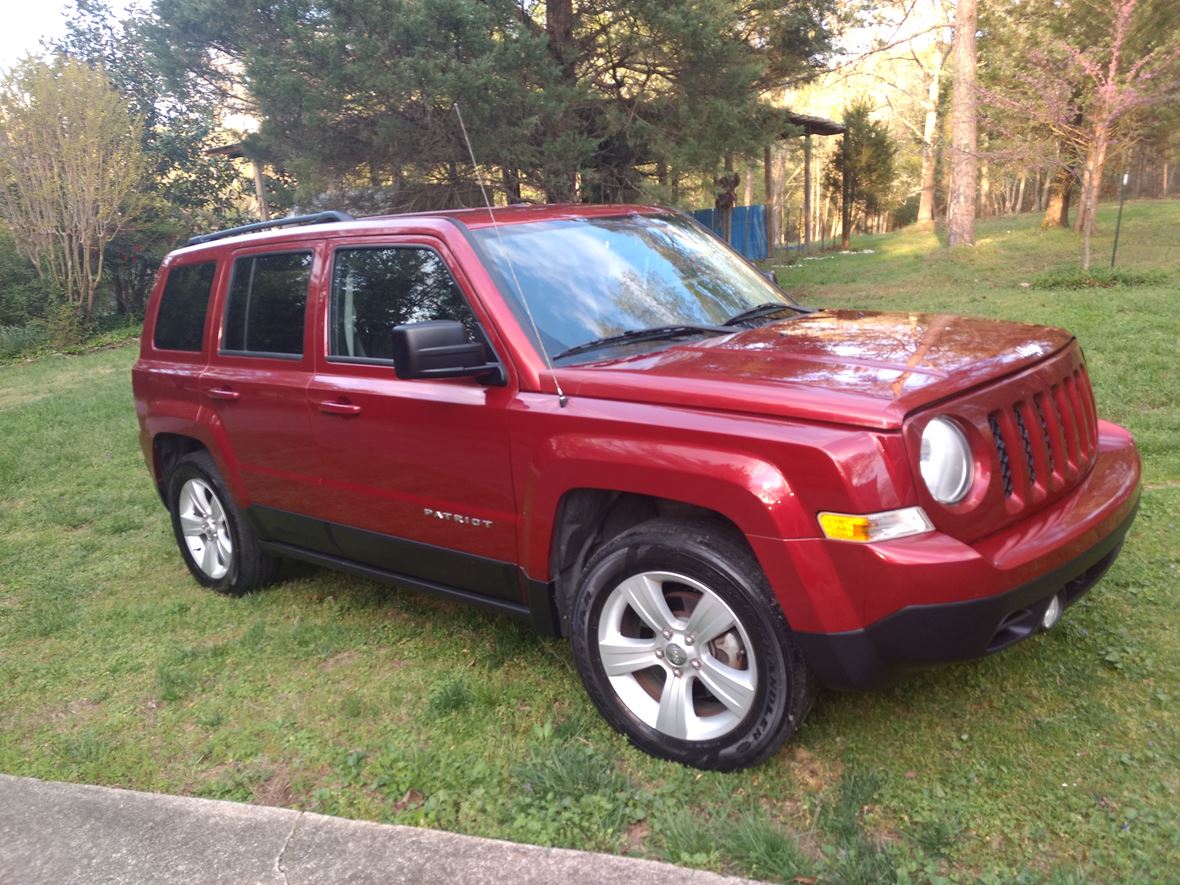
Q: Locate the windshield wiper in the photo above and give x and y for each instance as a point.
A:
(655, 333)
(764, 309)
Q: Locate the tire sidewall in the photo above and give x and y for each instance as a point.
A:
(188, 469)
(769, 720)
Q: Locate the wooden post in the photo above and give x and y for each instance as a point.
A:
(768, 184)
(260, 191)
(807, 192)
(846, 183)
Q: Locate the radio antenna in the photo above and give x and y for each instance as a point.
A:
(561, 397)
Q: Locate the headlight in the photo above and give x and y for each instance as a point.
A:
(945, 461)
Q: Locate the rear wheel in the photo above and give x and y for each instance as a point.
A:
(682, 647)
(218, 545)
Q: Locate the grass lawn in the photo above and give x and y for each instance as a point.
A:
(1057, 760)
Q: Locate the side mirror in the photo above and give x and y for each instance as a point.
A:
(771, 275)
(440, 349)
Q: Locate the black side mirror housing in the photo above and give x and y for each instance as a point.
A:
(771, 275)
(441, 349)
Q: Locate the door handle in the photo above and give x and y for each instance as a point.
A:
(335, 407)
(222, 393)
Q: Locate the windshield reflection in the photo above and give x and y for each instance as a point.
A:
(592, 278)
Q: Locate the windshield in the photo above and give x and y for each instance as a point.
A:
(591, 278)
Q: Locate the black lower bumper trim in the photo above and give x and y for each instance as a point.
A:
(926, 635)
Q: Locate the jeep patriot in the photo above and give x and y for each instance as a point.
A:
(604, 421)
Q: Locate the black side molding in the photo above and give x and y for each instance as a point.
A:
(516, 610)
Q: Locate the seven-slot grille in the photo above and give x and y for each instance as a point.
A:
(1047, 440)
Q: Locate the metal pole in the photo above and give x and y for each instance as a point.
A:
(1118, 224)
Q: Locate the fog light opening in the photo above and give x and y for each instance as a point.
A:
(1052, 614)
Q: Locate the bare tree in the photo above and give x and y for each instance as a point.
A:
(961, 204)
(1094, 94)
(70, 167)
(1121, 85)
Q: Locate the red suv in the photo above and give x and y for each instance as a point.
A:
(604, 421)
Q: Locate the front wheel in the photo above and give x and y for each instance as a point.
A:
(683, 648)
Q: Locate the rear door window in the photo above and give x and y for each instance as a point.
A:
(267, 305)
(184, 303)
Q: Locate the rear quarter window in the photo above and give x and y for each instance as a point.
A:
(180, 320)
(267, 305)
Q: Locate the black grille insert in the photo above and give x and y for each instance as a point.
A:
(1027, 443)
(1044, 431)
(1002, 454)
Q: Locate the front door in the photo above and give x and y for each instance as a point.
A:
(414, 475)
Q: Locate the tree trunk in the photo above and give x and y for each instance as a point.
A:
(559, 29)
(1091, 181)
(929, 131)
(1020, 193)
(725, 200)
(961, 205)
(511, 180)
(1060, 191)
(985, 189)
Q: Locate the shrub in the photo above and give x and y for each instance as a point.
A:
(15, 340)
(1097, 278)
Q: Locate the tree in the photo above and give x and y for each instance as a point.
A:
(70, 169)
(863, 166)
(189, 188)
(961, 203)
(573, 100)
(1090, 79)
(1122, 85)
(917, 46)
(931, 65)
(179, 123)
(23, 296)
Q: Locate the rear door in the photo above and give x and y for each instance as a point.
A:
(257, 381)
(415, 475)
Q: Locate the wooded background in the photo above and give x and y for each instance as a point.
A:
(949, 113)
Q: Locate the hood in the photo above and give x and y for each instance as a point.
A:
(845, 367)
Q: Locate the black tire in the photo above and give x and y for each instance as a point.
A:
(687, 563)
(234, 569)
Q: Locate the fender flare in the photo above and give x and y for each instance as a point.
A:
(201, 423)
(749, 491)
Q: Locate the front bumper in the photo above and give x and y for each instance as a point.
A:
(872, 612)
(925, 635)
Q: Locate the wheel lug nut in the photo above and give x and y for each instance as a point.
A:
(696, 663)
(667, 633)
(690, 639)
(676, 672)
(659, 653)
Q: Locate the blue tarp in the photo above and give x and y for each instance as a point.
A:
(749, 229)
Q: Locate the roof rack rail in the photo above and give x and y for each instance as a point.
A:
(317, 218)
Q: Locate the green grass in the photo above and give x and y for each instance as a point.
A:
(1058, 760)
